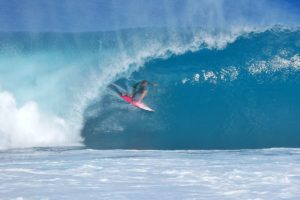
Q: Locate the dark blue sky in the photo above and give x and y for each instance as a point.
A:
(94, 15)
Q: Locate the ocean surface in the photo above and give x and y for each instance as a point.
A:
(217, 90)
(219, 94)
(227, 106)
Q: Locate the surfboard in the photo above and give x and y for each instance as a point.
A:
(120, 91)
(138, 104)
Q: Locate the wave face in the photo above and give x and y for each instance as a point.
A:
(218, 89)
(50, 80)
(214, 96)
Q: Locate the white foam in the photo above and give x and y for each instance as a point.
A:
(26, 126)
(123, 174)
(184, 80)
(230, 73)
(210, 75)
(196, 77)
(226, 74)
(277, 63)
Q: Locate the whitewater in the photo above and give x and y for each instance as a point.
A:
(68, 173)
(227, 112)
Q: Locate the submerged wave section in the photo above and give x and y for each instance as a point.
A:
(241, 94)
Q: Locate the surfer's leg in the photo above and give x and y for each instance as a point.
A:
(139, 96)
(136, 96)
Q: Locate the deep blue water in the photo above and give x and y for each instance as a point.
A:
(244, 109)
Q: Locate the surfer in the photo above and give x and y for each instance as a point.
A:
(140, 90)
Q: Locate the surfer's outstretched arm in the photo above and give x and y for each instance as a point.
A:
(153, 84)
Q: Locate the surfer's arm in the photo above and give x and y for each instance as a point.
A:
(143, 95)
(153, 84)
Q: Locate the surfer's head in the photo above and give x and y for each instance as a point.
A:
(144, 83)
